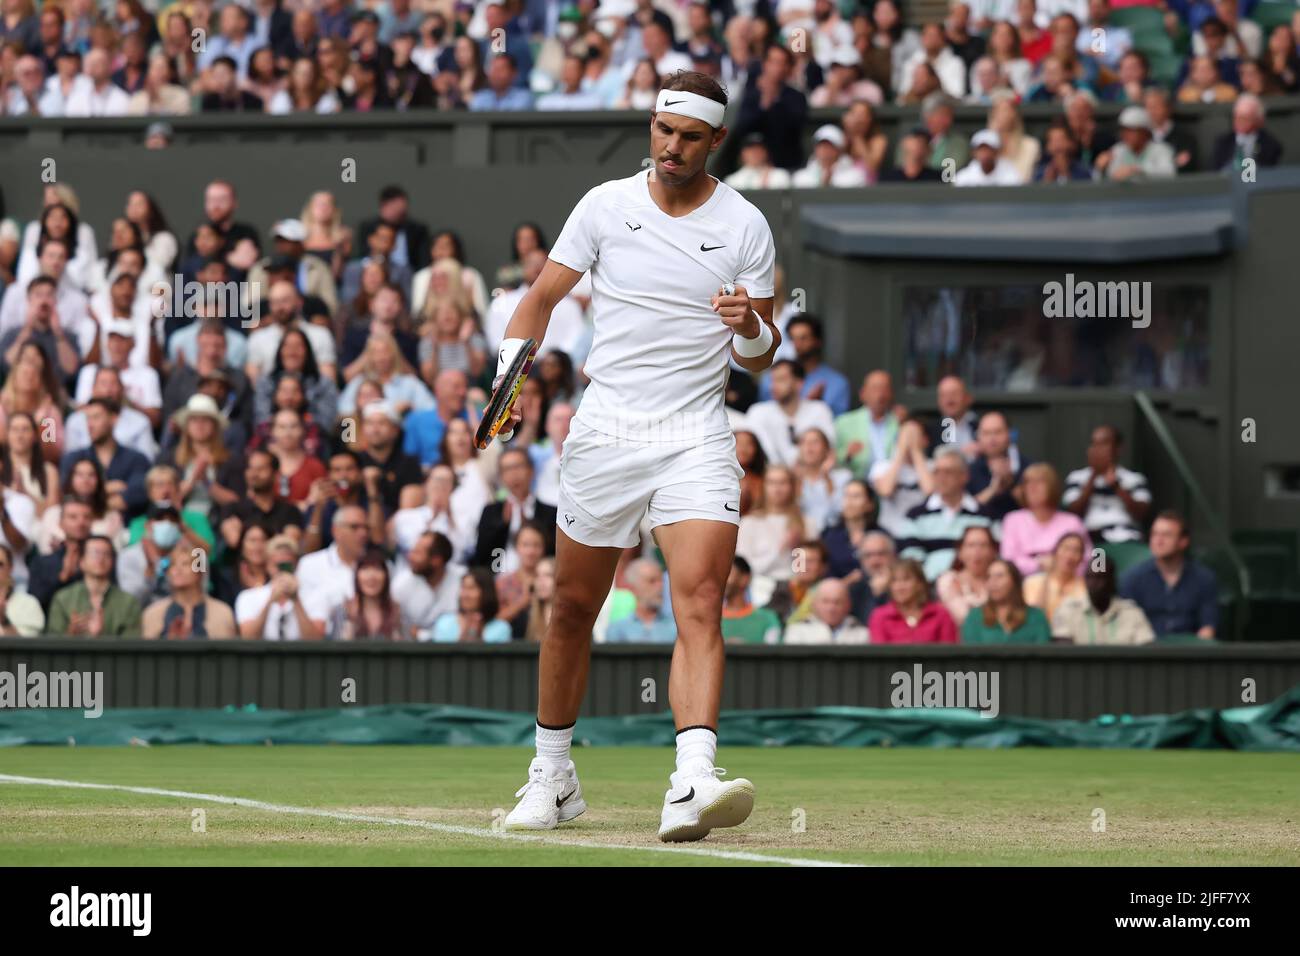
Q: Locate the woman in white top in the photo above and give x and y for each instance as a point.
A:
(160, 245)
(444, 281)
(24, 468)
(1020, 150)
(821, 484)
(475, 470)
(768, 536)
(448, 245)
(58, 220)
(307, 91)
(642, 88)
(1004, 49)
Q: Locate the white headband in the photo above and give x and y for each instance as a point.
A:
(692, 105)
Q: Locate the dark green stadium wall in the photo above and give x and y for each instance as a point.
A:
(1052, 681)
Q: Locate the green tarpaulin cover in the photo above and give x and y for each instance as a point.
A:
(1274, 726)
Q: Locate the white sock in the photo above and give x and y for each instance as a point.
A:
(696, 749)
(553, 746)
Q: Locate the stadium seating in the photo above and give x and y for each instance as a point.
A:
(1124, 554)
(1272, 14)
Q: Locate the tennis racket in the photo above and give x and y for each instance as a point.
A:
(497, 414)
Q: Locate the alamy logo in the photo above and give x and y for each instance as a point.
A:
(1098, 300)
(102, 909)
(225, 300)
(962, 689)
(73, 690)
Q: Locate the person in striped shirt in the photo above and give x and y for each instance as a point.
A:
(933, 528)
(1112, 501)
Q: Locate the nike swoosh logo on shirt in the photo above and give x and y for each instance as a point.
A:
(704, 248)
(727, 507)
(686, 799)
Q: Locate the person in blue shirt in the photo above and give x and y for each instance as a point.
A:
(502, 93)
(652, 621)
(475, 620)
(1177, 594)
(424, 429)
(1061, 164)
(820, 380)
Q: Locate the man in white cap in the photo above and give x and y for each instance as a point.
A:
(830, 165)
(682, 271)
(312, 275)
(987, 167)
(1136, 155)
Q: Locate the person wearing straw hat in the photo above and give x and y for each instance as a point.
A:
(200, 455)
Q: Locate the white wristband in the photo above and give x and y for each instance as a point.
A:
(506, 354)
(756, 347)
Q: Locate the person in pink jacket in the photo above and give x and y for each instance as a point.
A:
(1030, 534)
(911, 616)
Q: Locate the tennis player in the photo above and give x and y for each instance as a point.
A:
(682, 280)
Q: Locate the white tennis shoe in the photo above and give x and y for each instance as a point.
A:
(701, 802)
(548, 800)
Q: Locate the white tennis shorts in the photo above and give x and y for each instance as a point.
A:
(608, 486)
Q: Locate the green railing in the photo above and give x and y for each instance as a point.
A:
(1199, 498)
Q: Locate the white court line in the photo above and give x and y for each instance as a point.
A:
(421, 824)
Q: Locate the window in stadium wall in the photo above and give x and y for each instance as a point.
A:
(1020, 338)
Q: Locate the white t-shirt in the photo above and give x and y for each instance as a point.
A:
(410, 523)
(1004, 174)
(140, 384)
(265, 342)
(112, 100)
(656, 338)
(323, 576)
(777, 432)
(281, 622)
(422, 604)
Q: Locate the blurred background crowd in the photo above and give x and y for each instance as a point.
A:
(83, 58)
(270, 436)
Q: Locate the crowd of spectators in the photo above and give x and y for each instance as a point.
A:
(271, 436)
(778, 59)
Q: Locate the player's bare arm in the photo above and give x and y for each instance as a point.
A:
(742, 315)
(533, 315)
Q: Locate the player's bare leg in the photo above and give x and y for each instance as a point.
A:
(699, 555)
(583, 576)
